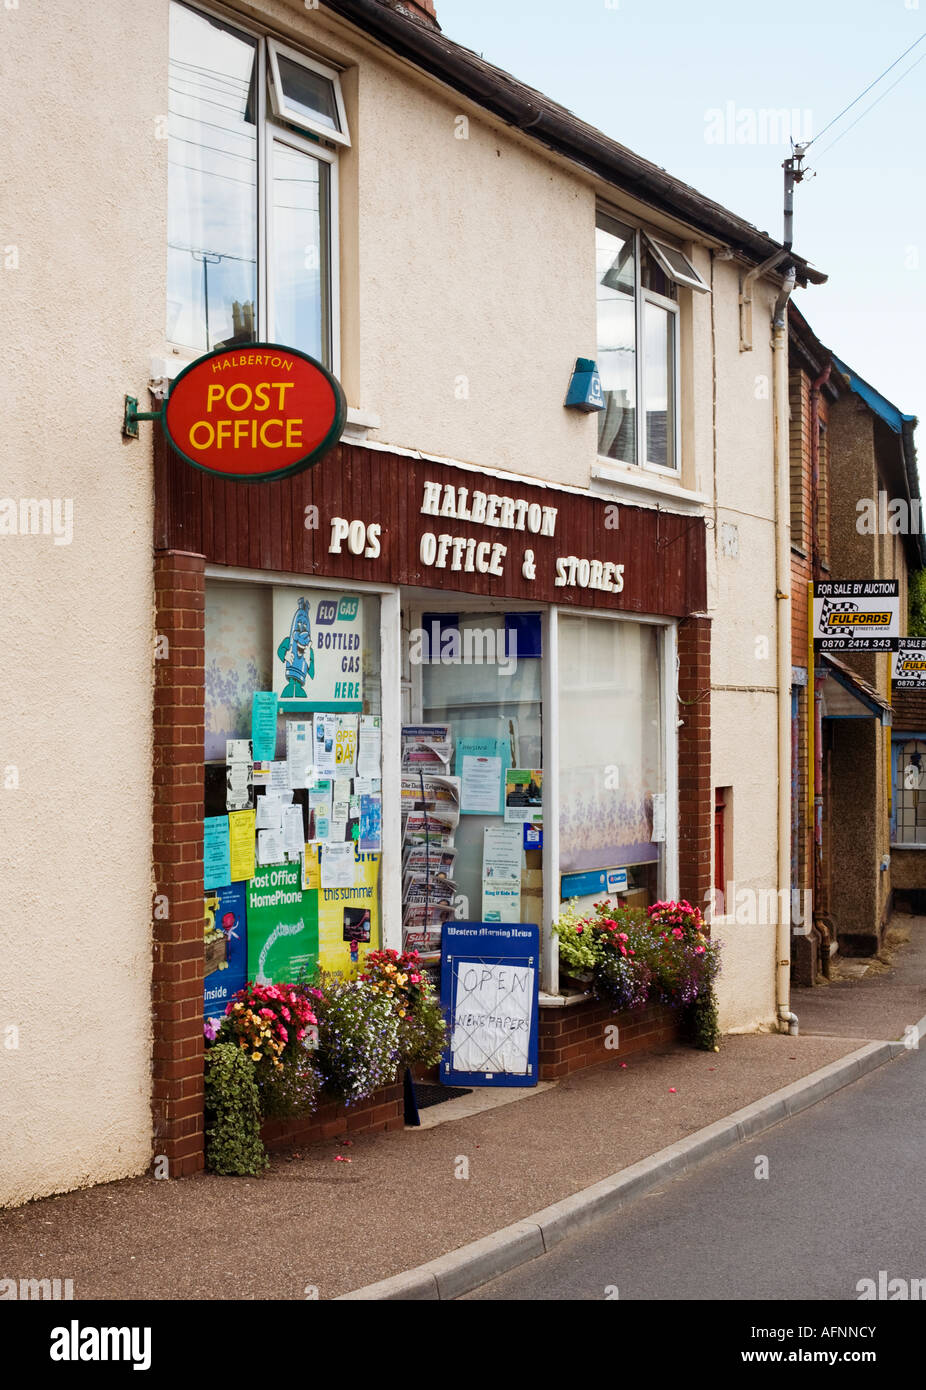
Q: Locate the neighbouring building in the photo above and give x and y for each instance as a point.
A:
(854, 494)
(347, 181)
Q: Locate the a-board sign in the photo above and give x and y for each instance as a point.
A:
(254, 413)
(856, 615)
(489, 994)
(908, 664)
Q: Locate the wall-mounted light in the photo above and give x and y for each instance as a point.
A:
(585, 387)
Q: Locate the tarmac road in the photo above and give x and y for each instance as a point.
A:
(843, 1200)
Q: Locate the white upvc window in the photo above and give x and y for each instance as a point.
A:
(636, 279)
(254, 132)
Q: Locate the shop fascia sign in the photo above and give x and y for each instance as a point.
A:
(441, 549)
(252, 413)
(856, 615)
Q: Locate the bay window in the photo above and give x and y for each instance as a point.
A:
(253, 134)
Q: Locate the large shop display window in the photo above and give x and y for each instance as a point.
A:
(612, 774)
(472, 771)
(293, 783)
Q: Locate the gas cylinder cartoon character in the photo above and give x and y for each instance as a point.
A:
(292, 652)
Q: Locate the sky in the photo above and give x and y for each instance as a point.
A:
(661, 76)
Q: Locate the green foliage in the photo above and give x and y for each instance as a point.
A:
(292, 1092)
(701, 1025)
(423, 1035)
(916, 603)
(233, 1114)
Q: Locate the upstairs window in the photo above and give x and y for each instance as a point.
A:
(253, 136)
(638, 343)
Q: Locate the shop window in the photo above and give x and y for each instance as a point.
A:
(253, 134)
(293, 782)
(612, 792)
(472, 771)
(638, 343)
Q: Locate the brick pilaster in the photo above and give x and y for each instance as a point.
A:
(177, 988)
(695, 793)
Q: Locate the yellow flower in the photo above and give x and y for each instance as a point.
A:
(401, 980)
(255, 1056)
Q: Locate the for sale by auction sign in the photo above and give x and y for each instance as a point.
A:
(255, 413)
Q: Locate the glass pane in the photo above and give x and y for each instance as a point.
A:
(308, 93)
(614, 277)
(212, 183)
(611, 750)
(493, 707)
(659, 381)
(299, 253)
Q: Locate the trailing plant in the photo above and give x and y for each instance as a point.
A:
(701, 1025)
(232, 1114)
(359, 1045)
(400, 977)
(275, 1027)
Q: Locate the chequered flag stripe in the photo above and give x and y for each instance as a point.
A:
(829, 606)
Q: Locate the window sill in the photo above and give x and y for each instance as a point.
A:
(640, 484)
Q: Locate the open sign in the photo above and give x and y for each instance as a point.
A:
(255, 413)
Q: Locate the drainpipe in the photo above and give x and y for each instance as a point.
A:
(815, 710)
(787, 1019)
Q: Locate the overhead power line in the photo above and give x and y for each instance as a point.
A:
(867, 90)
(885, 93)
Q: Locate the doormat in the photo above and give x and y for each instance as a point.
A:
(427, 1095)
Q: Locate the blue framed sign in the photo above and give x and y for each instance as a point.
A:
(489, 995)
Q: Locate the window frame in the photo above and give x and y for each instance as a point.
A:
(271, 128)
(642, 296)
(659, 249)
(277, 50)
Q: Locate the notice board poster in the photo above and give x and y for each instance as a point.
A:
(226, 947)
(489, 993)
(348, 915)
(318, 650)
(282, 925)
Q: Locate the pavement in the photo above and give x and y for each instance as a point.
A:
(313, 1227)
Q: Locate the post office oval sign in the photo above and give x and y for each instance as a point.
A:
(255, 413)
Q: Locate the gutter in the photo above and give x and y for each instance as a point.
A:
(556, 128)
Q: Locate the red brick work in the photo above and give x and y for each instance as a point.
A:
(575, 1037)
(695, 794)
(384, 1110)
(177, 983)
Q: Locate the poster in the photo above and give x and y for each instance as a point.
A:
(264, 725)
(337, 862)
(317, 650)
(300, 752)
(348, 917)
(326, 733)
(216, 864)
(501, 853)
(501, 901)
(225, 939)
(489, 992)
(241, 832)
(239, 774)
(282, 925)
(345, 747)
(370, 747)
(480, 765)
(371, 823)
(524, 796)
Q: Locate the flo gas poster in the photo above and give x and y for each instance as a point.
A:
(282, 924)
(318, 650)
(348, 917)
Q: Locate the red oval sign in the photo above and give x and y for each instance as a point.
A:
(255, 412)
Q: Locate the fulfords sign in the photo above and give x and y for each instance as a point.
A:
(255, 413)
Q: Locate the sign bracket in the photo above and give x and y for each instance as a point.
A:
(132, 415)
